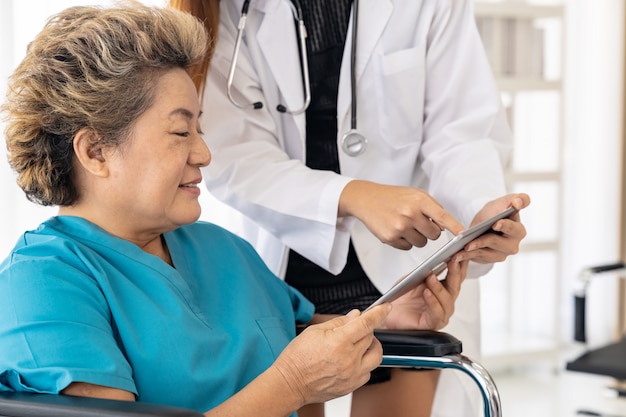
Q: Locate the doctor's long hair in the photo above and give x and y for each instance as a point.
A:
(208, 11)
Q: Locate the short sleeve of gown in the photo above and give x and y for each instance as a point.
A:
(302, 307)
(74, 343)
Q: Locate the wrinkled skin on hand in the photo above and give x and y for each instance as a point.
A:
(333, 358)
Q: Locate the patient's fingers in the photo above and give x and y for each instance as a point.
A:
(361, 325)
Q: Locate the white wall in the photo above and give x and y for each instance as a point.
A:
(592, 173)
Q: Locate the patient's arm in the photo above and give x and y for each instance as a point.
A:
(326, 361)
(83, 389)
(250, 398)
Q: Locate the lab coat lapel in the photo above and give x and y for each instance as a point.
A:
(373, 18)
(277, 34)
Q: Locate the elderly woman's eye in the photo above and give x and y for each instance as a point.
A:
(182, 134)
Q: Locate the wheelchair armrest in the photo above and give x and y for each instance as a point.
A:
(20, 404)
(425, 349)
(428, 343)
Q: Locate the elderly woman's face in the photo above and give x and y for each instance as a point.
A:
(156, 172)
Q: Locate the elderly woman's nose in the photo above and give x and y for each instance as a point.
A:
(200, 153)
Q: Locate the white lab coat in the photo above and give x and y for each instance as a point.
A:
(427, 105)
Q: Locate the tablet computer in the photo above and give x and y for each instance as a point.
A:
(437, 262)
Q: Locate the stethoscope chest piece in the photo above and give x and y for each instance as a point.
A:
(353, 143)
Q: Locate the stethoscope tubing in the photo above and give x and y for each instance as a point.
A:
(231, 70)
(355, 20)
(353, 143)
(304, 63)
(302, 35)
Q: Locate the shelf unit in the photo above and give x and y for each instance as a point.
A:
(524, 43)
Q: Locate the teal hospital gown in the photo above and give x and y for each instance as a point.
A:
(81, 305)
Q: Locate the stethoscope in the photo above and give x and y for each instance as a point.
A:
(353, 143)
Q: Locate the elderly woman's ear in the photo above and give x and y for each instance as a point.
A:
(90, 153)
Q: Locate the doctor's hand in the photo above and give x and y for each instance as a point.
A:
(402, 217)
(334, 358)
(430, 305)
(496, 247)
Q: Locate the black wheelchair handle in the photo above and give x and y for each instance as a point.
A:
(580, 334)
(606, 268)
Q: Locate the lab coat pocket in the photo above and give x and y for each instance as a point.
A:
(274, 331)
(401, 87)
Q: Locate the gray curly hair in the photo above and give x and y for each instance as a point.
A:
(90, 68)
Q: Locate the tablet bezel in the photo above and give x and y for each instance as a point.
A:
(437, 262)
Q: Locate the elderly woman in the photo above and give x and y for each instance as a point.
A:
(124, 294)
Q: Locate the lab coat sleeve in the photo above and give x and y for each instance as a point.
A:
(253, 173)
(467, 141)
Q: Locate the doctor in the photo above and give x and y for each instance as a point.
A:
(411, 78)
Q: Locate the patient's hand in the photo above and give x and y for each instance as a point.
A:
(333, 358)
(430, 305)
